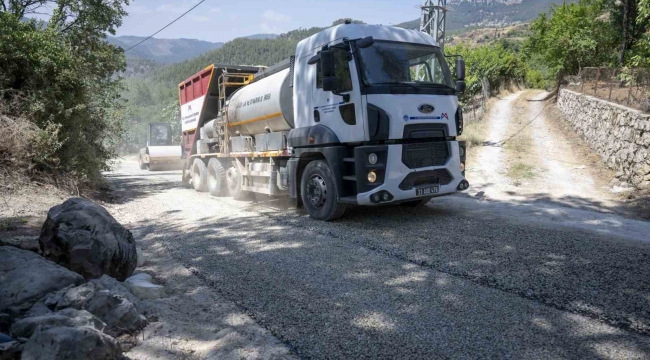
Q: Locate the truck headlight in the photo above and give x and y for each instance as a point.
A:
(372, 177)
(372, 158)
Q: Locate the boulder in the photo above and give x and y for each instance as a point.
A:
(116, 287)
(85, 238)
(140, 257)
(142, 287)
(71, 343)
(65, 318)
(26, 277)
(116, 311)
(39, 309)
(22, 242)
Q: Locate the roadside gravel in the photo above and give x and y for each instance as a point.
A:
(404, 283)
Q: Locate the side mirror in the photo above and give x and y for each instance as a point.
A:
(366, 42)
(314, 59)
(460, 69)
(327, 63)
(460, 86)
(329, 83)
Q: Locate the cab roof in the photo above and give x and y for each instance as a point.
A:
(357, 31)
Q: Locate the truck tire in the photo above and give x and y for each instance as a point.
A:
(234, 181)
(199, 176)
(319, 192)
(217, 183)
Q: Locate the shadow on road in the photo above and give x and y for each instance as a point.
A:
(311, 286)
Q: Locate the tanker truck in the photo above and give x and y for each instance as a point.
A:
(361, 115)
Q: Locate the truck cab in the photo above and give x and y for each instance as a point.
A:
(378, 107)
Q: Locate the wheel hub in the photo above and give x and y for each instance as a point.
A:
(231, 177)
(316, 191)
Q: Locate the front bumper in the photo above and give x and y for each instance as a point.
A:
(396, 178)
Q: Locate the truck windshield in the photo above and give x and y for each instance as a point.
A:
(404, 63)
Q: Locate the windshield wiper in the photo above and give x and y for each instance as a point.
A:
(438, 85)
(399, 83)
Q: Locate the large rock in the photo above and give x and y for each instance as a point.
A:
(71, 343)
(26, 277)
(118, 313)
(65, 318)
(85, 238)
(142, 287)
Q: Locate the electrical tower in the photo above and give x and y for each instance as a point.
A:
(434, 20)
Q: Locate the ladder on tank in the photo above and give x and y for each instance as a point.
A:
(227, 84)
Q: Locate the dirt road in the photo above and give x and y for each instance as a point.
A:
(460, 278)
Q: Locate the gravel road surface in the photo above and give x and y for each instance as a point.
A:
(456, 279)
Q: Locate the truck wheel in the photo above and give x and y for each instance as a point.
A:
(199, 176)
(142, 164)
(416, 203)
(319, 193)
(234, 180)
(217, 183)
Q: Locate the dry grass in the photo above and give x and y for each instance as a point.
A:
(519, 144)
(518, 172)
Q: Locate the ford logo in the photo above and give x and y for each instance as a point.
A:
(426, 108)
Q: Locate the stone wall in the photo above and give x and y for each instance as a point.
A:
(620, 135)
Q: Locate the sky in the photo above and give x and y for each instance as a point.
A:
(221, 21)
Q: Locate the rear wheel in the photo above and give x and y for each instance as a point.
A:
(143, 165)
(234, 180)
(199, 176)
(319, 192)
(217, 183)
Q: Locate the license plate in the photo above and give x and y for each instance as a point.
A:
(427, 190)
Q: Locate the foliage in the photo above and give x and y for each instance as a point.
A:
(65, 70)
(573, 36)
(588, 34)
(535, 79)
(496, 62)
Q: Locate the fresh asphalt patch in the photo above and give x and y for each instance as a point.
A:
(412, 283)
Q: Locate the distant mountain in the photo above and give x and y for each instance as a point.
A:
(164, 51)
(262, 36)
(490, 13)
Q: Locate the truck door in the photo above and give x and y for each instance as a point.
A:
(345, 118)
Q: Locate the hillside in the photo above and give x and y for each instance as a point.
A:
(488, 13)
(164, 51)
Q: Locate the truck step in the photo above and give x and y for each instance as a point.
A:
(350, 178)
(348, 159)
(348, 200)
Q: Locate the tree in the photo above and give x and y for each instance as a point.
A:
(66, 71)
(573, 36)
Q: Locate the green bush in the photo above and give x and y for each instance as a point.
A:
(60, 76)
(535, 79)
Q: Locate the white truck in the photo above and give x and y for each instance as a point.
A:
(361, 114)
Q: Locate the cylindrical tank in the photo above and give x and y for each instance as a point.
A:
(264, 103)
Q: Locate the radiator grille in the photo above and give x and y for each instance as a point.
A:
(431, 177)
(421, 155)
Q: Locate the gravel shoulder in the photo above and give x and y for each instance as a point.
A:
(436, 282)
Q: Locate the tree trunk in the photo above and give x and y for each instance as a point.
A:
(626, 31)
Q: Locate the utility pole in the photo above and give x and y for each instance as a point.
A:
(434, 20)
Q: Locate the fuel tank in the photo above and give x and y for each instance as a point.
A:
(266, 103)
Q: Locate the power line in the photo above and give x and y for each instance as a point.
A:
(166, 26)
